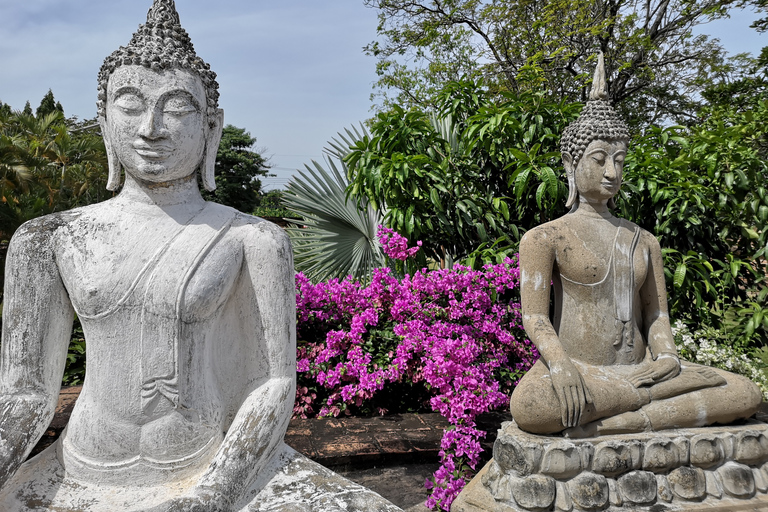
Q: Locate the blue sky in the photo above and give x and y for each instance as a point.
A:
(292, 72)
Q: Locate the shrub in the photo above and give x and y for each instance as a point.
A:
(451, 339)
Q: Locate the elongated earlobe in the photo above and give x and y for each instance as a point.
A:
(212, 139)
(113, 162)
(573, 194)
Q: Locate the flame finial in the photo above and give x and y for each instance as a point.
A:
(599, 87)
(163, 11)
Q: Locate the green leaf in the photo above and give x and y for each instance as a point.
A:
(679, 277)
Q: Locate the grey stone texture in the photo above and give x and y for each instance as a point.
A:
(188, 309)
(712, 468)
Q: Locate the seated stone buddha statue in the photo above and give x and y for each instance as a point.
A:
(188, 310)
(608, 359)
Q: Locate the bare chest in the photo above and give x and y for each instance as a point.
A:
(109, 265)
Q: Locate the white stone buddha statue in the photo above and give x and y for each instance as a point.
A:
(188, 309)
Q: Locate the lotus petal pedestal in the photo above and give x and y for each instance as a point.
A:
(713, 469)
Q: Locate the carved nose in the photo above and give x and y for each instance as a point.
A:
(610, 170)
(152, 126)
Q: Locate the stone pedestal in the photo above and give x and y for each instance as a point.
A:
(712, 468)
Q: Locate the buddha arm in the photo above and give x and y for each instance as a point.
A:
(653, 295)
(537, 259)
(657, 330)
(262, 419)
(37, 322)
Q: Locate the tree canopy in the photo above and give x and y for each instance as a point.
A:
(656, 66)
(238, 169)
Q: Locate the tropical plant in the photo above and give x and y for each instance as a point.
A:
(700, 191)
(336, 234)
(472, 174)
(449, 340)
(238, 170)
(657, 63)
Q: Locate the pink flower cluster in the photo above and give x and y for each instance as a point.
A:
(395, 245)
(456, 333)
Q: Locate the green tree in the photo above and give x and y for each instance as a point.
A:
(471, 179)
(48, 105)
(475, 175)
(334, 235)
(27, 109)
(47, 164)
(238, 169)
(655, 63)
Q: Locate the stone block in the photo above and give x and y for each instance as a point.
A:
(663, 488)
(518, 458)
(707, 451)
(535, 492)
(563, 502)
(589, 491)
(615, 458)
(750, 447)
(737, 479)
(714, 486)
(638, 487)
(561, 460)
(661, 455)
(688, 483)
(614, 496)
(761, 484)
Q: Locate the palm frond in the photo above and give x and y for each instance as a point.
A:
(336, 236)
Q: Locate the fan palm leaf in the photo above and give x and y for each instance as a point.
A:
(336, 236)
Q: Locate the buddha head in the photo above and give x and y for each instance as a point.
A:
(599, 134)
(158, 104)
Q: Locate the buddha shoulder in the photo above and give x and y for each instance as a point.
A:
(44, 231)
(549, 235)
(259, 235)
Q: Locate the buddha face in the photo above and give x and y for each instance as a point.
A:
(156, 123)
(598, 174)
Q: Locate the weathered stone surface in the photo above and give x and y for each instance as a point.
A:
(706, 451)
(561, 460)
(638, 487)
(661, 455)
(649, 453)
(589, 491)
(614, 496)
(663, 488)
(188, 309)
(535, 492)
(750, 447)
(714, 487)
(519, 458)
(688, 483)
(737, 479)
(563, 502)
(615, 458)
(761, 484)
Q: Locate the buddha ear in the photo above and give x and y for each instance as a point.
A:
(573, 194)
(212, 139)
(113, 162)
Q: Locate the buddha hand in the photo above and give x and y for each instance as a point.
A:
(201, 501)
(665, 367)
(570, 389)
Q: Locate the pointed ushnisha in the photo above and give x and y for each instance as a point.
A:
(598, 119)
(599, 86)
(158, 44)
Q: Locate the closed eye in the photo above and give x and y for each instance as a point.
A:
(129, 103)
(180, 105)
